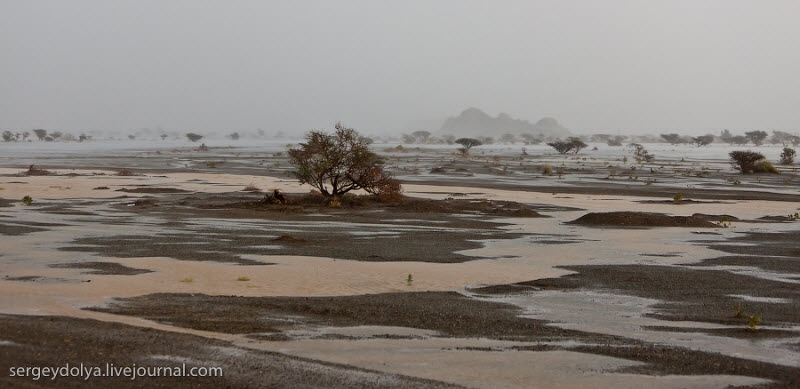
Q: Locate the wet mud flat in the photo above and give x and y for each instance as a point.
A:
(280, 338)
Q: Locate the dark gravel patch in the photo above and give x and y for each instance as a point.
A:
(688, 293)
(152, 190)
(104, 268)
(449, 313)
(56, 341)
(640, 219)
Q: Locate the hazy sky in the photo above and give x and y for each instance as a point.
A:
(595, 65)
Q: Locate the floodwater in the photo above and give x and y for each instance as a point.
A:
(541, 245)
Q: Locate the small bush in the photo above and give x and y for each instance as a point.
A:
(766, 167)
(547, 170)
(251, 187)
(678, 198)
(243, 278)
(787, 156)
(34, 171)
(126, 173)
(27, 200)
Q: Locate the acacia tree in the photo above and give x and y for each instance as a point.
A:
(341, 162)
(194, 137)
(467, 143)
(703, 140)
(757, 137)
(572, 144)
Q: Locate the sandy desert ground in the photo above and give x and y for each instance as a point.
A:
(153, 254)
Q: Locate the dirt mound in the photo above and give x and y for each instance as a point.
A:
(640, 219)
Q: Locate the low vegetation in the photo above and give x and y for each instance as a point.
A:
(750, 162)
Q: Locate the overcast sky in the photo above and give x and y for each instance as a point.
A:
(610, 65)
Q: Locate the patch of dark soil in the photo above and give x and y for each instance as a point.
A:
(16, 229)
(742, 332)
(290, 239)
(305, 203)
(25, 278)
(146, 202)
(773, 264)
(640, 219)
(668, 360)
(177, 246)
(688, 294)
(34, 171)
(151, 190)
(779, 218)
(449, 313)
(786, 244)
(105, 268)
(58, 341)
(715, 218)
(6, 203)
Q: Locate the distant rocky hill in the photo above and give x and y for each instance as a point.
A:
(474, 122)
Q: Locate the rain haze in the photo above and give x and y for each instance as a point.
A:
(381, 66)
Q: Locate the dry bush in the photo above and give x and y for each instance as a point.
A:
(126, 173)
(251, 187)
(34, 171)
(749, 162)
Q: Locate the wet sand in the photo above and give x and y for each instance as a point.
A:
(472, 290)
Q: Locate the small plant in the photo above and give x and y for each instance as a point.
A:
(678, 198)
(243, 278)
(547, 169)
(794, 217)
(740, 310)
(187, 280)
(251, 187)
(335, 203)
(410, 279)
(787, 156)
(766, 167)
(724, 221)
(126, 173)
(753, 321)
(27, 200)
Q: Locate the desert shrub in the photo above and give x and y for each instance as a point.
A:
(640, 153)
(126, 173)
(766, 167)
(787, 156)
(251, 187)
(749, 162)
(27, 200)
(547, 169)
(34, 171)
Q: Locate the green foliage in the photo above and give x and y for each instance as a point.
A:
(678, 198)
(338, 163)
(27, 200)
(766, 167)
(410, 279)
(753, 321)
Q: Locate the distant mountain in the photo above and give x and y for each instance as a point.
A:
(474, 122)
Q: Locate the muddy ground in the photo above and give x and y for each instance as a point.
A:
(247, 230)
